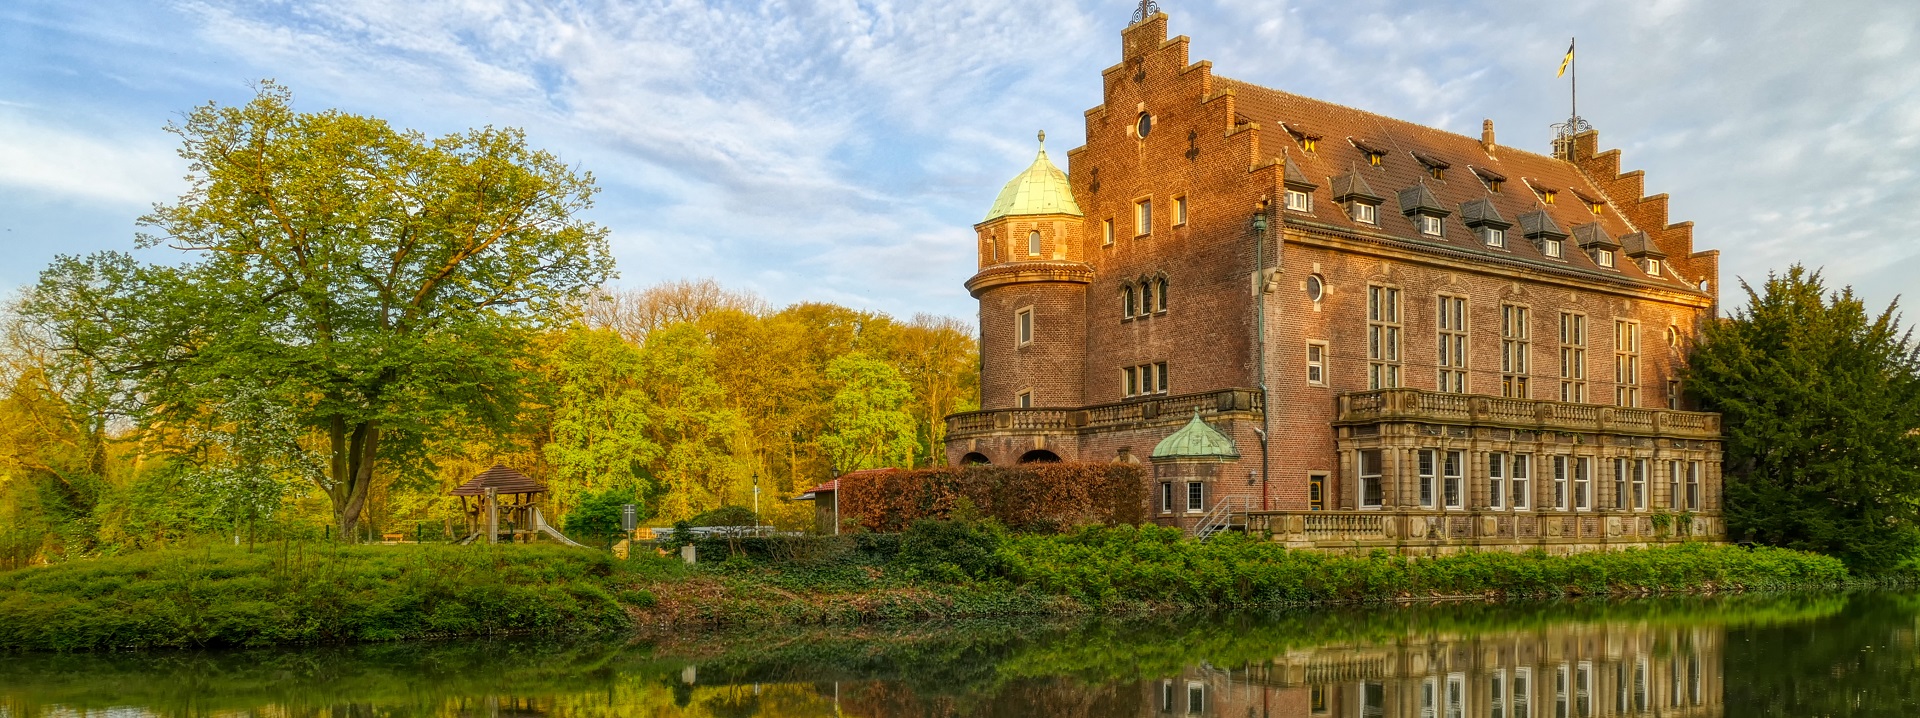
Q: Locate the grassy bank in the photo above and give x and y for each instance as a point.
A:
(232, 596)
(293, 594)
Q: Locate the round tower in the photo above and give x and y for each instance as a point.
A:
(1032, 290)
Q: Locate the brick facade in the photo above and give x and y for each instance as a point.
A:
(1221, 152)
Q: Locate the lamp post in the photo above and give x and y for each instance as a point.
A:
(1260, 336)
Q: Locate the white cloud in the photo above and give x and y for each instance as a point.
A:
(38, 157)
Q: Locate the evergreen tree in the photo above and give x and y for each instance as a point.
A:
(1821, 410)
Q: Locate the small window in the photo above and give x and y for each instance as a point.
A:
(1025, 400)
(1430, 225)
(1130, 381)
(1309, 144)
(1162, 297)
(1604, 257)
(1024, 320)
(1316, 287)
(1317, 363)
(1373, 158)
(1550, 248)
(1673, 336)
(1363, 213)
(1547, 196)
(1493, 185)
(1160, 377)
(1371, 489)
(1144, 125)
(1127, 303)
(1106, 232)
(1196, 497)
(1166, 499)
(1496, 237)
(1299, 201)
(1143, 217)
(1180, 210)
(1653, 267)
(1033, 243)
(1146, 298)
(1437, 172)
(1317, 497)
(1595, 207)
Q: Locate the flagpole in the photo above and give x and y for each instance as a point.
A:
(1573, 66)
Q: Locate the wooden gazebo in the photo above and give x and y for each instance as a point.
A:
(501, 490)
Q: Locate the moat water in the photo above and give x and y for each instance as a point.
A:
(1850, 655)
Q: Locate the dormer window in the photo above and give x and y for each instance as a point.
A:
(1550, 248)
(1494, 236)
(1430, 225)
(1603, 257)
(1653, 267)
(1298, 201)
(1493, 185)
(1436, 167)
(1373, 158)
(1595, 207)
(1309, 144)
(1546, 197)
(1374, 154)
(1363, 213)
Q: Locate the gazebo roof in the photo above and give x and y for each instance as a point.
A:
(502, 480)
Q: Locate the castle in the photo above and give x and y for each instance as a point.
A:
(1342, 329)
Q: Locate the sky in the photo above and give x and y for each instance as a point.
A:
(842, 150)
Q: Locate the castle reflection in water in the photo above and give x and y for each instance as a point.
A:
(1559, 672)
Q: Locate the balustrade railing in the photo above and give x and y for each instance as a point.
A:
(1166, 408)
(1422, 405)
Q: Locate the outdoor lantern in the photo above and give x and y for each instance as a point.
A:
(1260, 221)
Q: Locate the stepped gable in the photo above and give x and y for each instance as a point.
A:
(1410, 152)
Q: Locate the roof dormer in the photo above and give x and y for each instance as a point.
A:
(1299, 188)
(1545, 193)
(1598, 244)
(1488, 177)
(1436, 167)
(1642, 250)
(1484, 219)
(1538, 226)
(1374, 153)
(1308, 139)
(1419, 204)
(1352, 191)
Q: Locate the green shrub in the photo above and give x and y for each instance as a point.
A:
(726, 516)
(952, 550)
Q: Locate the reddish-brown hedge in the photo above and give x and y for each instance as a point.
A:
(1031, 497)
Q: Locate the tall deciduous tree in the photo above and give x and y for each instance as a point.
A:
(692, 421)
(1821, 407)
(379, 280)
(869, 425)
(599, 419)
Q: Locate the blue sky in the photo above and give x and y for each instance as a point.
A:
(841, 151)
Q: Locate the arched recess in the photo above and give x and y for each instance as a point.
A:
(974, 458)
(1039, 456)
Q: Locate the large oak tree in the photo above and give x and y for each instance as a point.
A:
(378, 282)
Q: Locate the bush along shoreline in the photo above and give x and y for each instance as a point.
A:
(291, 594)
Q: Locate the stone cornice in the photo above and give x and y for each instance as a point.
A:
(1027, 273)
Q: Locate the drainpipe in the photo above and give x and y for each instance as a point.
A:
(1260, 340)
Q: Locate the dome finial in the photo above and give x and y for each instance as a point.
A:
(1043, 140)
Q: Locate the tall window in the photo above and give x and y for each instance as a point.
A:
(1316, 492)
(1673, 484)
(1146, 298)
(1573, 357)
(1452, 481)
(1106, 231)
(1693, 486)
(1550, 247)
(1639, 478)
(1620, 469)
(1143, 217)
(1127, 302)
(1626, 363)
(1496, 480)
(1371, 493)
(1560, 483)
(1430, 225)
(1024, 399)
(1033, 243)
(1673, 393)
(1522, 692)
(1130, 380)
(1317, 363)
(1582, 483)
(1162, 296)
(1515, 342)
(1196, 496)
(1521, 471)
(1166, 497)
(1180, 209)
(1497, 690)
(1383, 337)
(1023, 321)
(1427, 477)
(1452, 328)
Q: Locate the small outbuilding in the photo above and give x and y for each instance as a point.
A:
(503, 496)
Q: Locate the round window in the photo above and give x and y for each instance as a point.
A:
(1146, 124)
(1316, 288)
(1673, 336)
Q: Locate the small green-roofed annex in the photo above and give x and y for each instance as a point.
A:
(1196, 440)
(1041, 189)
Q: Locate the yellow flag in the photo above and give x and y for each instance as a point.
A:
(1565, 61)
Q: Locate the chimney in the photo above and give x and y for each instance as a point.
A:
(1486, 136)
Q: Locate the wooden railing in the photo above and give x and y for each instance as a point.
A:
(1159, 410)
(1363, 407)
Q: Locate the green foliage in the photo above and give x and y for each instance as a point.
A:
(952, 551)
(600, 419)
(1029, 498)
(598, 515)
(1821, 403)
(869, 426)
(691, 421)
(379, 282)
(726, 516)
(299, 593)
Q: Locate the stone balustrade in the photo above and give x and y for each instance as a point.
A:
(1525, 414)
(1145, 411)
(1448, 531)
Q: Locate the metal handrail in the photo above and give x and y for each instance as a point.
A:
(1218, 518)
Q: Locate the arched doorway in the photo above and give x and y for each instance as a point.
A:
(974, 458)
(1039, 456)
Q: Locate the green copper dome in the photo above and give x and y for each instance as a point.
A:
(1042, 189)
(1196, 440)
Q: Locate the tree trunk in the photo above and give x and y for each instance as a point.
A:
(354, 448)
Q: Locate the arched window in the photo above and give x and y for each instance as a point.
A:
(1033, 243)
(1163, 294)
(1127, 309)
(1146, 297)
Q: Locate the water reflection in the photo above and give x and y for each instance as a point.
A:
(1852, 655)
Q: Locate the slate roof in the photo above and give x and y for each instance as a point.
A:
(1294, 179)
(1592, 234)
(1403, 146)
(1637, 246)
(502, 480)
(1482, 212)
(1419, 199)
